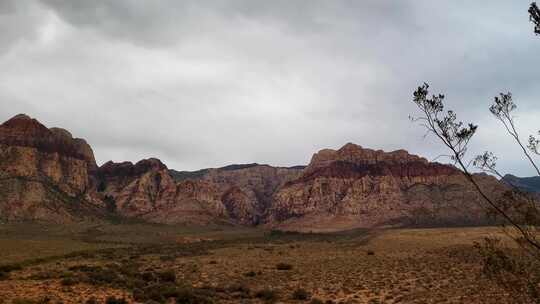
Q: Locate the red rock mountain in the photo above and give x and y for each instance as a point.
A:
(46, 174)
(355, 187)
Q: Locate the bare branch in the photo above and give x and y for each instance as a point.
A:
(534, 14)
(456, 136)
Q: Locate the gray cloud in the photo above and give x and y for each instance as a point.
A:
(208, 83)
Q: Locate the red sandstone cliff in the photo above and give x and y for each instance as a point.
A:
(356, 187)
(46, 174)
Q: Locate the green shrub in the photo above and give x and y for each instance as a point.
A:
(250, 274)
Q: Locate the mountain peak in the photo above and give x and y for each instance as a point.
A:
(356, 154)
(21, 116)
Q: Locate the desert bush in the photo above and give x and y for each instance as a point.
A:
(114, 300)
(69, 281)
(190, 296)
(10, 267)
(85, 268)
(4, 275)
(284, 266)
(167, 276)
(92, 300)
(159, 293)
(370, 252)
(301, 294)
(44, 300)
(316, 301)
(148, 276)
(22, 301)
(250, 274)
(267, 295)
(101, 276)
(239, 290)
(165, 258)
(516, 271)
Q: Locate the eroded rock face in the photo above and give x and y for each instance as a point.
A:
(45, 174)
(247, 190)
(356, 187)
(146, 190)
(237, 194)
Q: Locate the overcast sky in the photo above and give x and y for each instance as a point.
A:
(209, 83)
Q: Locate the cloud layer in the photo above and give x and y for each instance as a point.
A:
(209, 83)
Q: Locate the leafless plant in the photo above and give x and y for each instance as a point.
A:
(517, 271)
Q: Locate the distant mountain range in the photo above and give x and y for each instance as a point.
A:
(47, 175)
(527, 184)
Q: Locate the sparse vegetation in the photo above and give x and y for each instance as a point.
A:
(407, 261)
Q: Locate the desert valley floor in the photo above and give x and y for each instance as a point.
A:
(143, 263)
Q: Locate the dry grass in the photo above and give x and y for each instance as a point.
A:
(407, 266)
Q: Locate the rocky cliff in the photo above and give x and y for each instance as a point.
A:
(246, 190)
(147, 191)
(355, 187)
(46, 174)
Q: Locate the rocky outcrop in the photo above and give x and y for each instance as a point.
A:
(356, 187)
(147, 191)
(45, 174)
(246, 190)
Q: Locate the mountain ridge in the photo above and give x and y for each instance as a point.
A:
(339, 189)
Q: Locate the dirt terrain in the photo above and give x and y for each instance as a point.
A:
(140, 263)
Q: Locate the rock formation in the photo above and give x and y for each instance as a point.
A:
(147, 191)
(356, 187)
(46, 174)
(246, 190)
